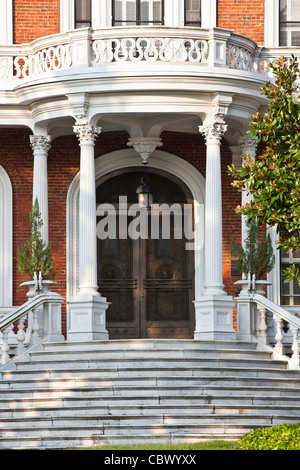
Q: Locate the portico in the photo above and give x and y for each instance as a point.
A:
(121, 92)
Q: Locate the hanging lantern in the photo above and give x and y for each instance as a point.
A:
(144, 192)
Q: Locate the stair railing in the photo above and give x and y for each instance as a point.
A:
(252, 309)
(17, 319)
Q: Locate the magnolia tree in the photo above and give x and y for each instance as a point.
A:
(273, 179)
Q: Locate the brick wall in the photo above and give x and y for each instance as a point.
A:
(245, 17)
(35, 18)
(63, 164)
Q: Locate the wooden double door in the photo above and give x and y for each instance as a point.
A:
(148, 281)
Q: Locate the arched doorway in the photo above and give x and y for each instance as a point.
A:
(149, 279)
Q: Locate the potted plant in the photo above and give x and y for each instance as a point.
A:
(256, 257)
(35, 260)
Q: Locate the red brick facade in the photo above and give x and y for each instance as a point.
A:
(245, 17)
(37, 18)
(34, 19)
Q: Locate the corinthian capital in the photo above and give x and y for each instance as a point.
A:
(86, 134)
(249, 145)
(40, 143)
(213, 132)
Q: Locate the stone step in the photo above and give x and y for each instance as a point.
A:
(105, 392)
(222, 432)
(148, 345)
(140, 363)
(145, 392)
(176, 353)
(154, 381)
(127, 425)
(163, 411)
(140, 373)
(240, 402)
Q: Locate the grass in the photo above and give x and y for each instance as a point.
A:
(205, 445)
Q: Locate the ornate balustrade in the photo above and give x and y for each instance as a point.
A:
(257, 314)
(92, 48)
(45, 309)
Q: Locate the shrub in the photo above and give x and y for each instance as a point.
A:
(280, 437)
(34, 255)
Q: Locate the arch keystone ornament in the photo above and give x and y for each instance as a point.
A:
(87, 309)
(214, 309)
(145, 146)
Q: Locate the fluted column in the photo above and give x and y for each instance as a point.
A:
(213, 210)
(87, 317)
(248, 147)
(214, 309)
(41, 145)
(87, 210)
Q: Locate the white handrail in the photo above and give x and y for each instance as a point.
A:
(19, 316)
(251, 325)
(277, 309)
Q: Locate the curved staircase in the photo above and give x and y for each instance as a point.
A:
(135, 391)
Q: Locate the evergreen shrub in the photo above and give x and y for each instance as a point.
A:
(280, 437)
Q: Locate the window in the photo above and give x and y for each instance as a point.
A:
(192, 13)
(290, 292)
(83, 16)
(137, 12)
(289, 23)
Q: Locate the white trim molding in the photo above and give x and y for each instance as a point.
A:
(67, 15)
(6, 239)
(271, 23)
(208, 13)
(6, 22)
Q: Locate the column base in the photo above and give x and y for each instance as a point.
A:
(214, 318)
(87, 318)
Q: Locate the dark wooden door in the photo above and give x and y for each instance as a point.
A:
(148, 282)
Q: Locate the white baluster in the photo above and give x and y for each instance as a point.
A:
(151, 49)
(263, 325)
(5, 346)
(279, 337)
(295, 345)
(35, 325)
(21, 66)
(21, 336)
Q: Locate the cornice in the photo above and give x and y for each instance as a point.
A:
(202, 80)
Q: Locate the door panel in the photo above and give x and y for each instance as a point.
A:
(167, 288)
(118, 282)
(148, 282)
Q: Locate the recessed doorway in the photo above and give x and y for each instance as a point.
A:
(149, 281)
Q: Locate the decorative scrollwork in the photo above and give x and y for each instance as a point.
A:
(150, 50)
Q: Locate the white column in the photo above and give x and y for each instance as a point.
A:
(213, 210)
(248, 146)
(214, 309)
(40, 145)
(87, 210)
(87, 308)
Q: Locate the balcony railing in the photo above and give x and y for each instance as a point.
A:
(93, 48)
